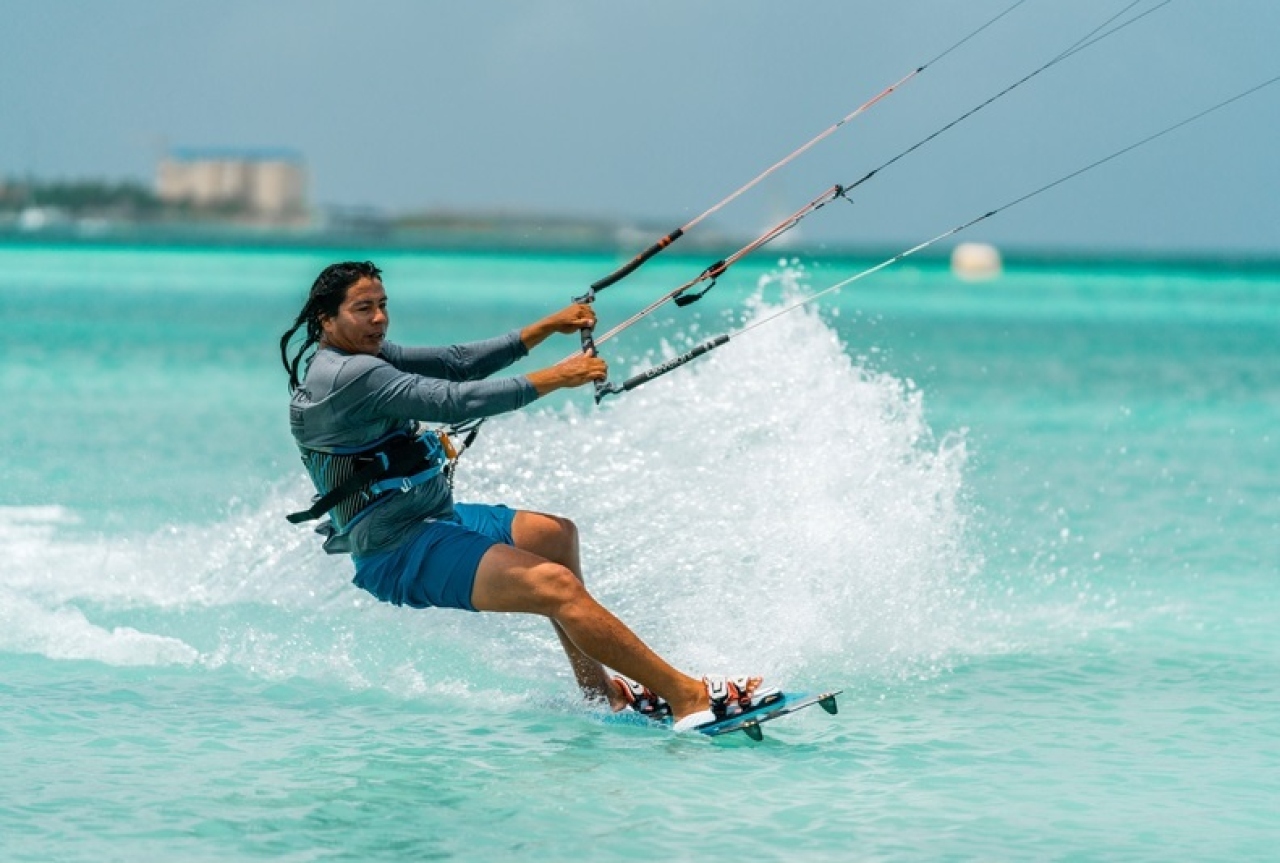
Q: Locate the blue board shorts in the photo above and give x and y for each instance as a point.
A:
(436, 566)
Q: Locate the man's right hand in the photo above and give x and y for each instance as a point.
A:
(573, 372)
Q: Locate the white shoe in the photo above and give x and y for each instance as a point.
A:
(730, 697)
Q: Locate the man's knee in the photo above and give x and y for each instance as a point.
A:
(557, 586)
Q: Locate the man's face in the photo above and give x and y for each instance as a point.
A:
(361, 323)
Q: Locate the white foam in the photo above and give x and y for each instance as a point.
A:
(65, 633)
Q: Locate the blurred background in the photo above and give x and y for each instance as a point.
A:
(578, 124)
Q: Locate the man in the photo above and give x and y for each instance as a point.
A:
(354, 415)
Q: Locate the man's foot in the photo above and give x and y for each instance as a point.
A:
(639, 698)
(728, 697)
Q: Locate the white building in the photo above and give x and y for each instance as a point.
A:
(271, 184)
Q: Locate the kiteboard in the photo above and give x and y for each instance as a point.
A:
(790, 702)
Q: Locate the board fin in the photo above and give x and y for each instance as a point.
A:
(829, 704)
(752, 730)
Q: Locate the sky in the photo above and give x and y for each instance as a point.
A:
(656, 109)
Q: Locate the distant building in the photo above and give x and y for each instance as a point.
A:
(269, 184)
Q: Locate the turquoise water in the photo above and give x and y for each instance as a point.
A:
(1031, 527)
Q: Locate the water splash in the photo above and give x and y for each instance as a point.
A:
(775, 507)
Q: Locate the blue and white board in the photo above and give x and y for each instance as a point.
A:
(790, 702)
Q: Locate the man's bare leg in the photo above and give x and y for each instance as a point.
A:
(513, 580)
(556, 539)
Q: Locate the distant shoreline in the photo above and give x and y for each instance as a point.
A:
(551, 242)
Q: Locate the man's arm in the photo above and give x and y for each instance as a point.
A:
(440, 384)
(474, 361)
(391, 393)
(465, 362)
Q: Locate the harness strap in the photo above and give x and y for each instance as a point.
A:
(395, 466)
(404, 483)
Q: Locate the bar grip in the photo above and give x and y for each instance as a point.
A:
(588, 341)
(634, 264)
(673, 363)
(589, 348)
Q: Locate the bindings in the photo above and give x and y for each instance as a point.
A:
(642, 699)
(730, 697)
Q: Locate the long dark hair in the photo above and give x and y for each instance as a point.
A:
(328, 293)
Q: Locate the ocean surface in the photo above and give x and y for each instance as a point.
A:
(1030, 526)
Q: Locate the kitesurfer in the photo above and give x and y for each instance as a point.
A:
(354, 414)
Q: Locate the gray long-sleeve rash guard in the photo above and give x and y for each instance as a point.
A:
(351, 400)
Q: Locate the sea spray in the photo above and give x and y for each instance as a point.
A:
(772, 507)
